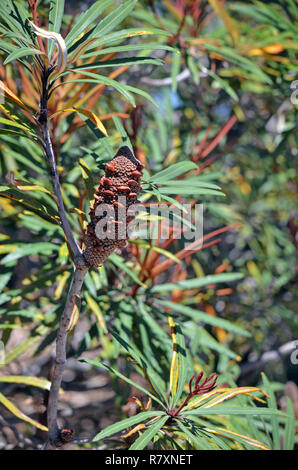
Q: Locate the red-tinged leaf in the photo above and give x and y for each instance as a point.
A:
(223, 131)
(196, 246)
(224, 394)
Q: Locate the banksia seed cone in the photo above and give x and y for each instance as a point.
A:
(109, 215)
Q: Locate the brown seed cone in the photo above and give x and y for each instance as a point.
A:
(64, 437)
(117, 191)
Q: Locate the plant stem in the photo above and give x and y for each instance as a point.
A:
(80, 271)
(48, 148)
(60, 360)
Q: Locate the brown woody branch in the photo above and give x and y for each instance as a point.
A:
(60, 360)
(44, 126)
(80, 271)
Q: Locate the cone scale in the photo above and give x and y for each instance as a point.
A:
(118, 190)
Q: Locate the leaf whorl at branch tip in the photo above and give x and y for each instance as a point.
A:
(117, 191)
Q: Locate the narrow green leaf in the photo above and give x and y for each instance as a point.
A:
(148, 435)
(172, 172)
(146, 46)
(20, 134)
(122, 132)
(206, 340)
(126, 423)
(245, 440)
(154, 327)
(223, 410)
(183, 369)
(175, 69)
(26, 380)
(123, 377)
(88, 178)
(273, 407)
(222, 83)
(24, 345)
(85, 20)
(23, 52)
(18, 413)
(118, 261)
(10, 326)
(99, 79)
(143, 93)
(231, 55)
(197, 315)
(55, 19)
(153, 380)
(30, 249)
(7, 46)
(4, 278)
(197, 282)
(192, 182)
(14, 14)
(192, 65)
(289, 437)
(118, 63)
(35, 205)
(114, 18)
(119, 36)
(9, 122)
(182, 189)
(197, 442)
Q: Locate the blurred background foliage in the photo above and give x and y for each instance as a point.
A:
(211, 83)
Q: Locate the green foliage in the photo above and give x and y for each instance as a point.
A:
(197, 423)
(202, 96)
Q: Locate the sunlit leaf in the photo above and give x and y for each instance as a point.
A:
(26, 380)
(89, 114)
(126, 423)
(148, 435)
(24, 52)
(19, 414)
(197, 315)
(55, 19)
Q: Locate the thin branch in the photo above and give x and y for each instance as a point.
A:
(268, 356)
(80, 271)
(48, 148)
(166, 81)
(21, 439)
(60, 359)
